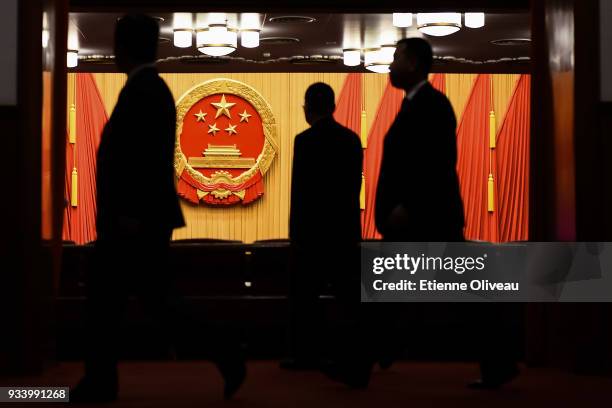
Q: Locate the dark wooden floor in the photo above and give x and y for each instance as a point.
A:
(406, 385)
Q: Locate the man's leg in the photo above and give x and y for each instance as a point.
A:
(354, 345)
(305, 314)
(497, 339)
(106, 302)
(155, 284)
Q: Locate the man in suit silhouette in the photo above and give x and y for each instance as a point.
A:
(137, 209)
(325, 220)
(418, 197)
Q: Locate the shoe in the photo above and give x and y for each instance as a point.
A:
(493, 382)
(233, 371)
(294, 364)
(90, 391)
(356, 376)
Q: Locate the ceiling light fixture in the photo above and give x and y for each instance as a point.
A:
(45, 38)
(249, 38)
(72, 58)
(351, 57)
(402, 20)
(183, 38)
(217, 18)
(378, 59)
(183, 30)
(250, 27)
(438, 24)
(474, 20)
(45, 30)
(217, 40)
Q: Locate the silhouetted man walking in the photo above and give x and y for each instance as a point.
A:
(418, 197)
(137, 209)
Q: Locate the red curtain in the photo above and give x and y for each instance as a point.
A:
(513, 165)
(387, 110)
(80, 221)
(438, 81)
(349, 103)
(475, 162)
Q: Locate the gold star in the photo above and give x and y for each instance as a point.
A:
(244, 116)
(231, 128)
(200, 116)
(213, 128)
(223, 107)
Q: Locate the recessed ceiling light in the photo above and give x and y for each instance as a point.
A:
(317, 60)
(159, 19)
(203, 60)
(512, 41)
(278, 40)
(292, 19)
(98, 59)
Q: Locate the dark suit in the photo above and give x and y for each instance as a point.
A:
(137, 209)
(135, 174)
(325, 185)
(324, 225)
(418, 172)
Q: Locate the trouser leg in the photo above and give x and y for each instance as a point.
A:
(106, 302)
(305, 309)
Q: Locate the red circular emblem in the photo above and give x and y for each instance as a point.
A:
(225, 143)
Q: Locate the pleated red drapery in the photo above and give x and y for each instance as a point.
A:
(513, 165)
(349, 103)
(387, 110)
(438, 81)
(475, 162)
(80, 221)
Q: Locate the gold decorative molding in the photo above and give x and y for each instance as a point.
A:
(221, 162)
(221, 193)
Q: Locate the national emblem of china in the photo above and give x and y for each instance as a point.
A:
(225, 143)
